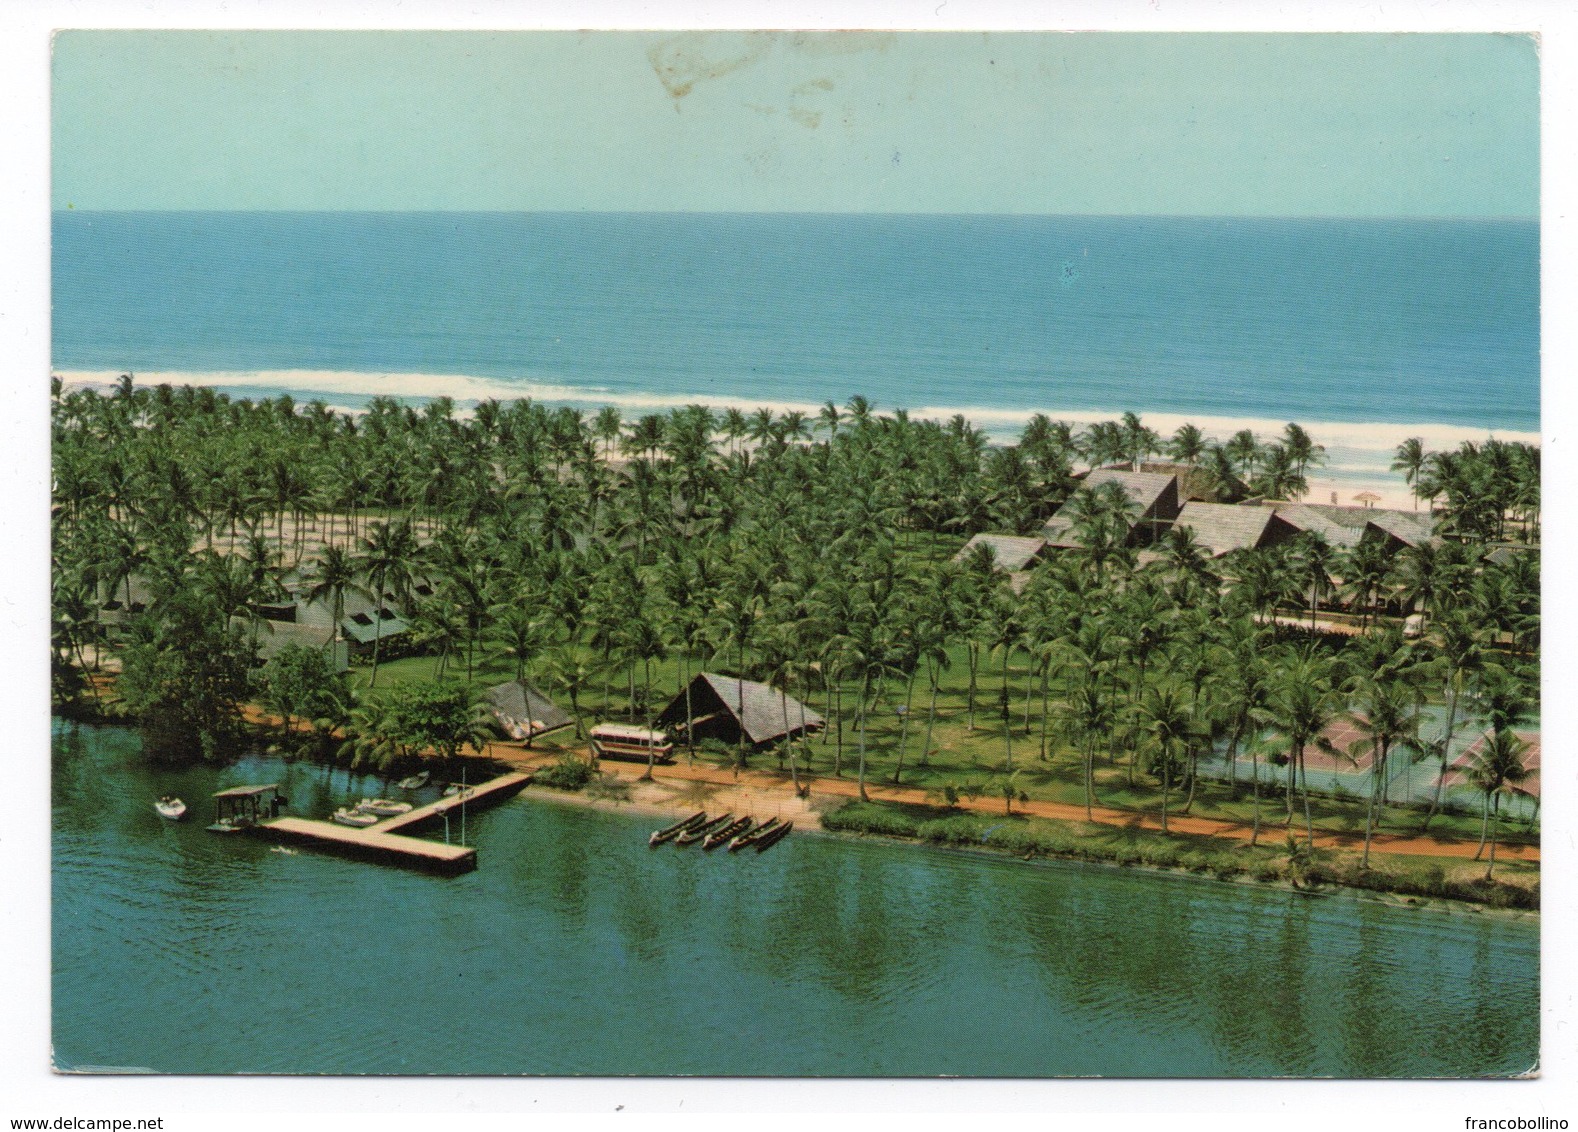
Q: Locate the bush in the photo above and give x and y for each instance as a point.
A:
(866, 817)
(568, 773)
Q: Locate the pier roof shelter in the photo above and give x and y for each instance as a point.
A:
(1220, 528)
(722, 707)
(523, 713)
(1010, 553)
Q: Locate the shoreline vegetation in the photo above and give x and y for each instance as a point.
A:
(1362, 678)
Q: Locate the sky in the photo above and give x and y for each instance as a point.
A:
(1027, 122)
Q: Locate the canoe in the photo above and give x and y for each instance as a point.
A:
(750, 837)
(765, 843)
(355, 818)
(732, 830)
(171, 809)
(383, 807)
(662, 835)
(697, 832)
(415, 782)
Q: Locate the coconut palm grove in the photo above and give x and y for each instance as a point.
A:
(1100, 618)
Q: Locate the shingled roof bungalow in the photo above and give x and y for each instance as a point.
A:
(1010, 553)
(722, 708)
(1154, 495)
(1348, 526)
(1220, 528)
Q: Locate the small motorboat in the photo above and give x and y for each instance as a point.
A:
(170, 808)
(383, 807)
(415, 782)
(750, 837)
(456, 788)
(282, 849)
(662, 835)
(355, 818)
(728, 833)
(774, 837)
(697, 832)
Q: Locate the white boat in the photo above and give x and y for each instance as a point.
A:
(383, 807)
(415, 782)
(354, 817)
(455, 788)
(282, 849)
(170, 808)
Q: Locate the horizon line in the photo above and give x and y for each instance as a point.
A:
(1492, 217)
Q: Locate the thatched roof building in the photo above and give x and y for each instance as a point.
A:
(1348, 526)
(523, 713)
(1220, 528)
(722, 707)
(1010, 553)
(1153, 494)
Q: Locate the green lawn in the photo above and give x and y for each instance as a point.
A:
(959, 756)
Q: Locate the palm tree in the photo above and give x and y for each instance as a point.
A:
(385, 564)
(606, 427)
(1006, 636)
(1387, 716)
(1300, 448)
(1164, 718)
(518, 634)
(646, 641)
(1411, 457)
(334, 572)
(1460, 655)
(1302, 702)
(1497, 768)
(1187, 445)
(568, 670)
(1243, 449)
(1091, 714)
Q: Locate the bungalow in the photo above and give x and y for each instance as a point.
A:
(1347, 527)
(724, 708)
(1153, 494)
(273, 635)
(1220, 528)
(1010, 553)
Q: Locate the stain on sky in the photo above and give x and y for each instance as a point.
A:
(684, 61)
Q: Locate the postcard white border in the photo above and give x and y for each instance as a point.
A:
(26, 1087)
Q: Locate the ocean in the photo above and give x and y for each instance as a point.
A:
(1364, 331)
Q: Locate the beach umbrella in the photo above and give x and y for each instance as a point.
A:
(1368, 498)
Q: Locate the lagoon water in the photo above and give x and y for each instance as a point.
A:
(574, 949)
(1402, 321)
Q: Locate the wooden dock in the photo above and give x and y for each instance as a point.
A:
(371, 845)
(480, 796)
(384, 844)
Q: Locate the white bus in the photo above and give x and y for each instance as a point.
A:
(622, 741)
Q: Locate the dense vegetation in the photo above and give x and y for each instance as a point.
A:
(609, 560)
